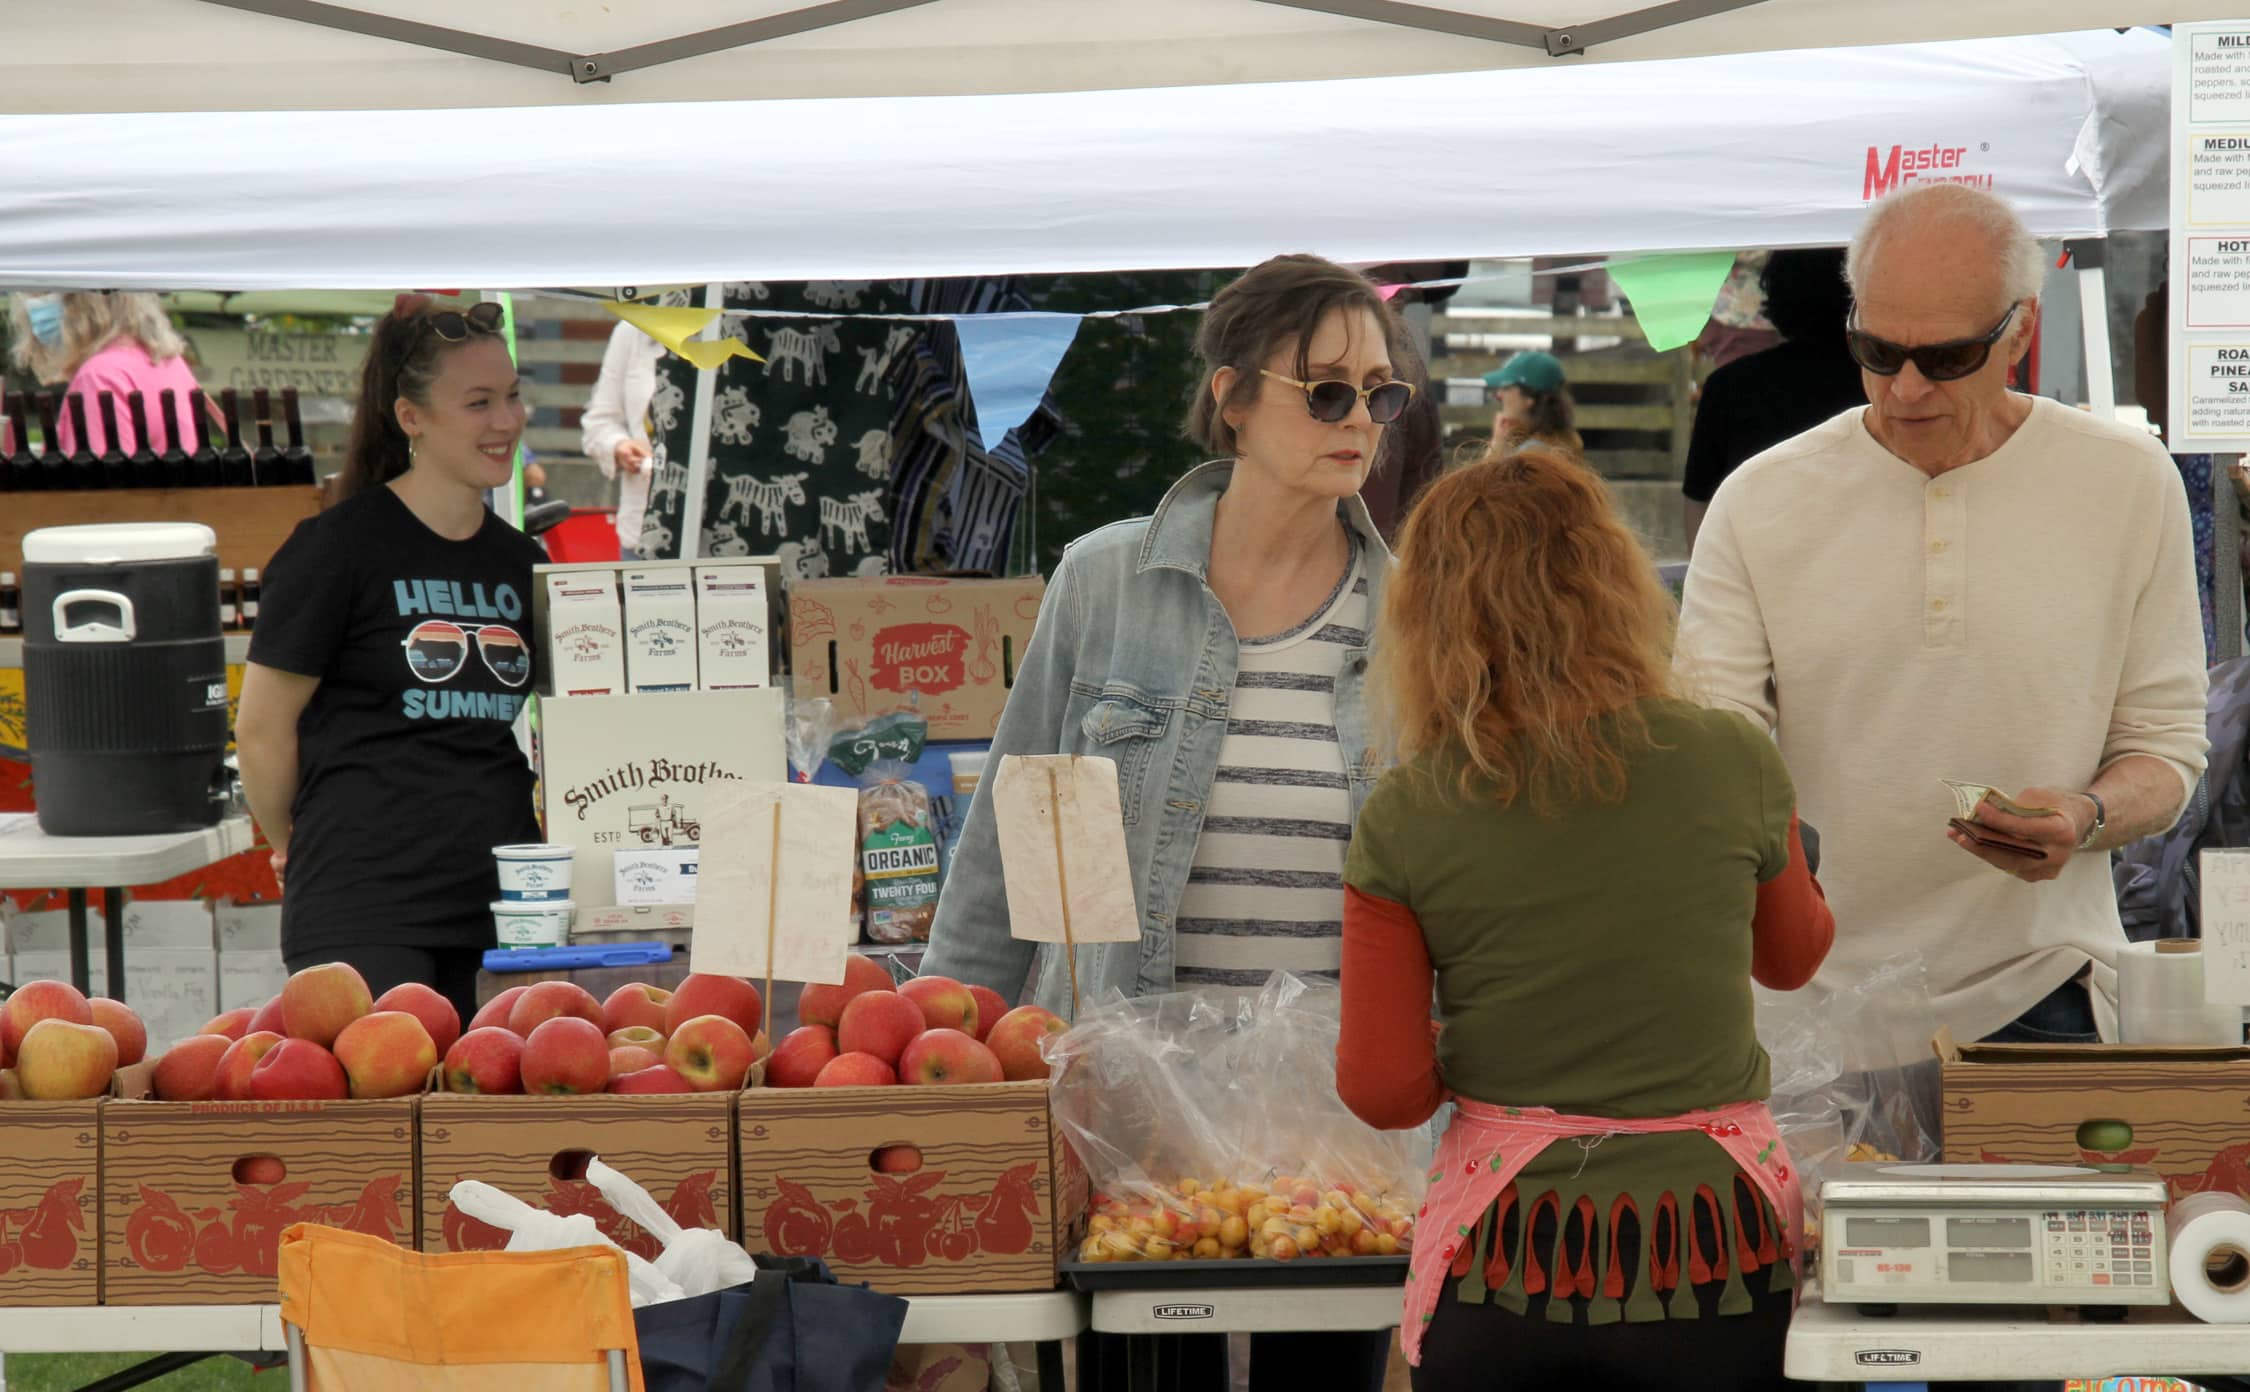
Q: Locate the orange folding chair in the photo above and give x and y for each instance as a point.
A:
(363, 1315)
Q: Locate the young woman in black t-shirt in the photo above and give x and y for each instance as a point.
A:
(392, 656)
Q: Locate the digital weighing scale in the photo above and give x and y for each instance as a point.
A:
(1993, 1235)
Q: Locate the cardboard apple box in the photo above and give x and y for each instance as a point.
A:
(50, 1187)
(867, 643)
(2183, 1112)
(996, 1199)
(195, 1195)
(678, 1146)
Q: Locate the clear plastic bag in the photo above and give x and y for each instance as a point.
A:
(1210, 1127)
(808, 726)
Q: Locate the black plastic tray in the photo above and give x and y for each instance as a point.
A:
(1236, 1273)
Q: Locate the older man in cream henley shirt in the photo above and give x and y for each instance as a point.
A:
(1960, 582)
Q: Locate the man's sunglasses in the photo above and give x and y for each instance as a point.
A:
(1331, 401)
(1939, 362)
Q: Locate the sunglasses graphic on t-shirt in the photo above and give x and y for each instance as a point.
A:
(436, 650)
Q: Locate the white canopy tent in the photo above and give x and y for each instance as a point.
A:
(1757, 149)
(301, 55)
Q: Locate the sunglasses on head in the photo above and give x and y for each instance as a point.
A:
(1333, 400)
(455, 325)
(1939, 362)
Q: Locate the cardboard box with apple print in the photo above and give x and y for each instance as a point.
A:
(677, 1146)
(867, 643)
(50, 1188)
(977, 1190)
(195, 1195)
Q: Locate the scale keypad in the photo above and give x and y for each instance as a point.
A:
(2095, 1247)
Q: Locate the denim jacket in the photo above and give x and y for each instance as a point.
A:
(1133, 659)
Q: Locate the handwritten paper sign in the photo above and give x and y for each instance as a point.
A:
(775, 898)
(1062, 846)
(2226, 926)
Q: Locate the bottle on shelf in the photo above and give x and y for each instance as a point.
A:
(54, 469)
(297, 460)
(85, 465)
(265, 460)
(117, 466)
(249, 609)
(11, 604)
(204, 463)
(172, 467)
(234, 461)
(230, 613)
(145, 465)
(19, 469)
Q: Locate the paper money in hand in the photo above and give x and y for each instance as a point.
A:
(1967, 797)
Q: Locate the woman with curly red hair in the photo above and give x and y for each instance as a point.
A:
(1593, 870)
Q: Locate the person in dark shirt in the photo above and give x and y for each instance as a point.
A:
(1754, 403)
(392, 656)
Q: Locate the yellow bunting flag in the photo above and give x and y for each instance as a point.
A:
(676, 330)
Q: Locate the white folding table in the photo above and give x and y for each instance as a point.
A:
(31, 859)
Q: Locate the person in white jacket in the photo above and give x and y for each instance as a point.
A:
(613, 430)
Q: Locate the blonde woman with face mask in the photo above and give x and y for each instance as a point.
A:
(106, 343)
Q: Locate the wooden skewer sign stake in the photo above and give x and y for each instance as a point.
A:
(773, 916)
(1062, 877)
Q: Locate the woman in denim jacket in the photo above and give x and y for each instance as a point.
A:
(1217, 651)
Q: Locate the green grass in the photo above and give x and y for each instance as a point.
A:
(63, 1372)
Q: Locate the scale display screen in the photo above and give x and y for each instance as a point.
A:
(1988, 1232)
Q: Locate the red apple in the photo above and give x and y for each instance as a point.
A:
(318, 1002)
(631, 1058)
(260, 1169)
(565, 1055)
(268, 1019)
(991, 1005)
(298, 1070)
(1015, 1037)
(637, 1037)
(487, 1060)
(232, 1025)
(64, 1061)
(946, 1003)
(493, 1014)
(824, 1005)
(388, 1053)
(897, 1159)
(727, 996)
(190, 1069)
(124, 1026)
(435, 1012)
(855, 1070)
(635, 1003)
(40, 1000)
(711, 1051)
(947, 1056)
(232, 1084)
(657, 1079)
(881, 1023)
(803, 1053)
(553, 1000)
(11, 1089)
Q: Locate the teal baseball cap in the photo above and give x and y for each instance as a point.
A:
(1532, 371)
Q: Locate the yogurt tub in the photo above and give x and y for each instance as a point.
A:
(545, 924)
(533, 874)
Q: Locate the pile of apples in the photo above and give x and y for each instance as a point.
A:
(58, 1046)
(324, 1038)
(932, 1030)
(554, 1038)
(1283, 1219)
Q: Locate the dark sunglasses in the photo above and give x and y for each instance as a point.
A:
(1332, 400)
(455, 325)
(1939, 362)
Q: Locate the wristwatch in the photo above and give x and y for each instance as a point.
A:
(2101, 821)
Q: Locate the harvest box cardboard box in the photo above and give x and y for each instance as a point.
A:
(982, 1211)
(50, 1192)
(2182, 1112)
(677, 1146)
(621, 771)
(195, 1194)
(866, 643)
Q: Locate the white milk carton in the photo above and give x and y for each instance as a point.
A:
(585, 638)
(730, 627)
(659, 630)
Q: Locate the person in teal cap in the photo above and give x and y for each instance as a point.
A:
(1534, 404)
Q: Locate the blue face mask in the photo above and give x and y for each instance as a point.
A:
(45, 313)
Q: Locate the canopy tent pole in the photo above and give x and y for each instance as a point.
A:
(2093, 315)
(1559, 42)
(699, 438)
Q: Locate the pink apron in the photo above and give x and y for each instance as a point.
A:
(1486, 1147)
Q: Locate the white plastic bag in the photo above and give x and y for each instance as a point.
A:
(536, 1230)
(696, 1260)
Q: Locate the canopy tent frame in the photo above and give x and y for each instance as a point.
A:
(1561, 41)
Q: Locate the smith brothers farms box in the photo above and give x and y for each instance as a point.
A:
(676, 1146)
(195, 1195)
(866, 644)
(914, 1190)
(50, 1186)
(2182, 1112)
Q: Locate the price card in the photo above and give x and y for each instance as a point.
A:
(2226, 926)
(775, 898)
(1062, 846)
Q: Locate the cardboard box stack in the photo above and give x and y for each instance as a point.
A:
(867, 644)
